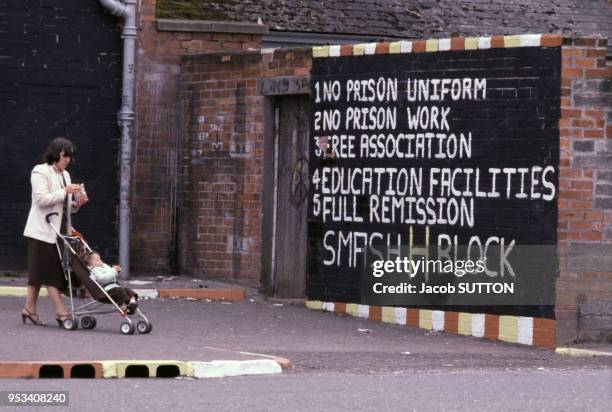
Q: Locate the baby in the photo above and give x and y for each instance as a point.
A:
(106, 276)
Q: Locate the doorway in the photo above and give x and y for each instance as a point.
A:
(288, 176)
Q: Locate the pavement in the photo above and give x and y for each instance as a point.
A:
(153, 282)
(211, 362)
(337, 362)
(154, 287)
(313, 341)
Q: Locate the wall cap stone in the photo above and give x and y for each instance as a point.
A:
(210, 26)
(464, 43)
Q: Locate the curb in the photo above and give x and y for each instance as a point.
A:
(219, 369)
(231, 295)
(212, 294)
(51, 369)
(283, 362)
(146, 369)
(118, 369)
(19, 291)
(523, 330)
(581, 353)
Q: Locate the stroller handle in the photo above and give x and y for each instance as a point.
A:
(48, 217)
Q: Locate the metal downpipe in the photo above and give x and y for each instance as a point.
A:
(127, 11)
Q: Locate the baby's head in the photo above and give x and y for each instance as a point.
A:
(93, 259)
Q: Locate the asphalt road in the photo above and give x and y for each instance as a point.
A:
(336, 367)
(463, 391)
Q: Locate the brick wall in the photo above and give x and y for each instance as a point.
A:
(156, 143)
(219, 118)
(584, 287)
(222, 160)
(60, 66)
(220, 235)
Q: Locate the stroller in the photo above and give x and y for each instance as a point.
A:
(78, 277)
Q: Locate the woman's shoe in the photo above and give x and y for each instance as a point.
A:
(26, 314)
(61, 318)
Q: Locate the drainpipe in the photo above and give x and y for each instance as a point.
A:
(127, 11)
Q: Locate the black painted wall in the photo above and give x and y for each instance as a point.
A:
(60, 74)
(515, 126)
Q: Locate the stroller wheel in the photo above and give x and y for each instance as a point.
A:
(144, 327)
(127, 328)
(88, 322)
(69, 324)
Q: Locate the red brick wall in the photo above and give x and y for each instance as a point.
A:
(200, 123)
(156, 140)
(221, 222)
(584, 287)
(222, 160)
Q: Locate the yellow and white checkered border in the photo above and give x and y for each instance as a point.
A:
(523, 330)
(435, 45)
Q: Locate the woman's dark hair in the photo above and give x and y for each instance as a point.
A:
(58, 145)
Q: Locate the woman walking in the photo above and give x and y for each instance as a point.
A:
(52, 192)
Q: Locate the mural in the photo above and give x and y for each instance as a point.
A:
(450, 149)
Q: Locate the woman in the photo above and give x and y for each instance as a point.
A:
(52, 192)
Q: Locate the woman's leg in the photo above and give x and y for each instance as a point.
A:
(54, 294)
(32, 297)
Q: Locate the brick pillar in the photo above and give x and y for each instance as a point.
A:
(156, 178)
(584, 287)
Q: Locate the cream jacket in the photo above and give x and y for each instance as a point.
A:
(48, 196)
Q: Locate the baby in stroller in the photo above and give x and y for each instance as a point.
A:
(106, 276)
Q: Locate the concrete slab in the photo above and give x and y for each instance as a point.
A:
(220, 369)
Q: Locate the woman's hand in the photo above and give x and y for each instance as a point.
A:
(80, 201)
(72, 188)
(80, 196)
(117, 268)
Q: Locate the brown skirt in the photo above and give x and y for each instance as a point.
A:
(44, 265)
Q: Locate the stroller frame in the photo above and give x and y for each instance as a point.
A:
(84, 312)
